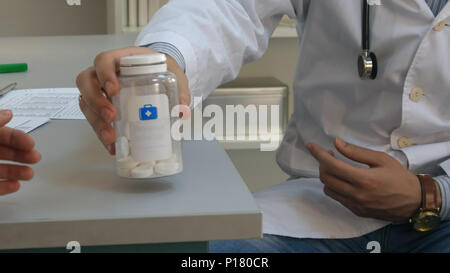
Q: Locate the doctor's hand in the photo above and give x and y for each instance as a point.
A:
(16, 146)
(99, 82)
(384, 190)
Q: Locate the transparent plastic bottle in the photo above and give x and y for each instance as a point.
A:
(148, 93)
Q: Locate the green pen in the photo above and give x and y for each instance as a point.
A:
(9, 68)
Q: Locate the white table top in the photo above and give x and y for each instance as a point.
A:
(76, 195)
(55, 61)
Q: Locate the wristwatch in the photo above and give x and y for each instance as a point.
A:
(427, 217)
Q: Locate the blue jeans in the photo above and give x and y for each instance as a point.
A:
(399, 238)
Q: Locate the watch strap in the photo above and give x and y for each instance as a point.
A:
(429, 193)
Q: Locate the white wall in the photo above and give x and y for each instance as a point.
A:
(51, 17)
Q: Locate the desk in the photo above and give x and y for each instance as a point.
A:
(76, 196)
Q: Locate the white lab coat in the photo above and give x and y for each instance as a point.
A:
(404, 112)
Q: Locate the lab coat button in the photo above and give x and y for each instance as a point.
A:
(416, 94)
(440, 26)
(404, 142)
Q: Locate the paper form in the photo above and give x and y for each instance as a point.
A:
(26, 124)
(55, 103)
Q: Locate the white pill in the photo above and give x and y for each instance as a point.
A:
(122, 148)
(126, 163)
(123, 172)
(142, 171)
(167, 168)
(149, 163)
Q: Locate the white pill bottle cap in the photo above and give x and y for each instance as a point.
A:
(143, 64)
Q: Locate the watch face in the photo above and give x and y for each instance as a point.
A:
(426, 221)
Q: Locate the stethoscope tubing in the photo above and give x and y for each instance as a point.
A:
(367, 60)
(366, 26)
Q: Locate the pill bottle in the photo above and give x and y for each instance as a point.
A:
(144, 144)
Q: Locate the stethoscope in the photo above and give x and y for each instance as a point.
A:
(367, 60)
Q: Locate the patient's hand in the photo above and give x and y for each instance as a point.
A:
(98, 109)
(385, 190)
(15, 146)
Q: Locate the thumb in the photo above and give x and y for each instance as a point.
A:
(360, 154)
(5, 117)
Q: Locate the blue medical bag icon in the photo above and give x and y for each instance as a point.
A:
(148, 112)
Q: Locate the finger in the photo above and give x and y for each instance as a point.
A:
(183, 82)
(183, 87)
(334, 166)
(360, 154)
(344, 188)
(16, 139)
(27, 157)
(185, 112)
(104, 130)
(7, 187)
(184, 94)
(5, 117)
(92, 94)
(107, 66)
(15, 172)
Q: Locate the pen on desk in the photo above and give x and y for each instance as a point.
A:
(8, 88)
(9, 68)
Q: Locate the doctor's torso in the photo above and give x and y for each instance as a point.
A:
(405, 111)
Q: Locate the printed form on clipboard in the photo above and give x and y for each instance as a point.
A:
(32, 108)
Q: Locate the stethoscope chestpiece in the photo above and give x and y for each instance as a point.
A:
(367, 65)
